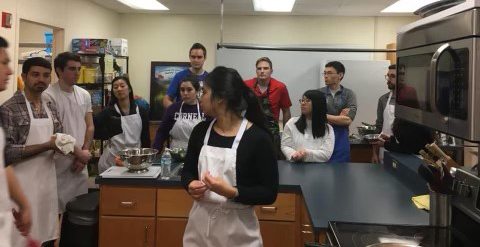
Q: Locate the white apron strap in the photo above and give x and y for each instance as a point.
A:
(241, 130)
(118, 110)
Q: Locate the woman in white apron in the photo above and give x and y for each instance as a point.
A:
(122, 123)
(180, 117)
(230, 165)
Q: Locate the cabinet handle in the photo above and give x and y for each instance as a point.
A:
(146, 237)
(269, 209)
(306, 225)
(307, 232)
(128, 204)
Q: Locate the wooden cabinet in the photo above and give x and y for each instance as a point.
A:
(306, 228)
(147, 216)
(173, 203)
(127, 231)
(280, 222)
(170, 231)
(282, 210)
(127, 201)
(278, 233)
(173, 207)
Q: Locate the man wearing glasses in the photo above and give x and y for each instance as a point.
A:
(385, 112)
(341, 109)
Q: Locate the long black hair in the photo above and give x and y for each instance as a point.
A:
(113, 99)
(319, 114)
(227, 84)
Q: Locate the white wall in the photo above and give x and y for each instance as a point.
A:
(79, 18)
(154, 37)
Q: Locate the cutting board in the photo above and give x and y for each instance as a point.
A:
(122, 172)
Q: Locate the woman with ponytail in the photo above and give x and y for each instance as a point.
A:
(230, 165)
(309, 138)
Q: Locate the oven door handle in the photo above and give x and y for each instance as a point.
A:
(432, 85)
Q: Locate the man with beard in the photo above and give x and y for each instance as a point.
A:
(385, 112)
(29, 124)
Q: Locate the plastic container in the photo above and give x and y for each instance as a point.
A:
(89, 75)
(166, 162)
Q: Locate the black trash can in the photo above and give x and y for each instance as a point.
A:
(80, 222)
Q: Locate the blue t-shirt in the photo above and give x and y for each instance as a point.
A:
(173, 90)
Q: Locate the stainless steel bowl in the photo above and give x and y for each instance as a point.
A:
(137, 159)
(366, 130)
(371, 137)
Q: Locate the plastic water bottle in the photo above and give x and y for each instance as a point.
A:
(166, 162)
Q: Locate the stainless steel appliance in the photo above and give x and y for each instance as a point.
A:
(464, 230)
(438, 82)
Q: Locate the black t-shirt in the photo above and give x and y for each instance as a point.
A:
(257, 169)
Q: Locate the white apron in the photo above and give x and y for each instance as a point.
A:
(6, 218)
(182, 129)
(216, 221)
(130, 138)
(388, 117)
(72, 115)
(37, 178)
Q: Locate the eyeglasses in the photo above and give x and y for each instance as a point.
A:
(301, 101)
(390, 76)
(328, 73)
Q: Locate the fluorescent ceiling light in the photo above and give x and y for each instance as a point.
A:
(273, 5)
(144, 4)
(407, 6)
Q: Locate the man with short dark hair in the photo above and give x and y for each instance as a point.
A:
(197, 56)
(385, 112)
(273, 96)
(10, 188)
(30, 123)
(341, 109)
(74, 106)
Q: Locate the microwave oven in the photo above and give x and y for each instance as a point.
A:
(438, 72)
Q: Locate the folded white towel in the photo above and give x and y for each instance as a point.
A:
(65, 143)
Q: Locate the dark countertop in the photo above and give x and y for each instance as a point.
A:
(352, 192)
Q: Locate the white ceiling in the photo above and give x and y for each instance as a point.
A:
(245, 7)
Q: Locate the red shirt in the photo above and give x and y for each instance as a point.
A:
(279, 98)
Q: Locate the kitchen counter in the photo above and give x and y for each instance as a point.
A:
(353, 192)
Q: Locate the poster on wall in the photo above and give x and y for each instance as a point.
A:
(162, 74)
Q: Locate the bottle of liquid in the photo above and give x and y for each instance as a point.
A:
(166, 162)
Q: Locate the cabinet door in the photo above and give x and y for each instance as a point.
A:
(127, 231)
(278, 233)
(306, 228)
(173, 203)
(170, 231)
(283, 209)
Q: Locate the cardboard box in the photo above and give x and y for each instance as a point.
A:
(101, 46)
(119, 46)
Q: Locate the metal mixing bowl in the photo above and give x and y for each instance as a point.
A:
(137, 159)
(366, 130)
(371, 137)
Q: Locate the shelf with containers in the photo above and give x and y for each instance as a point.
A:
(96, 77)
